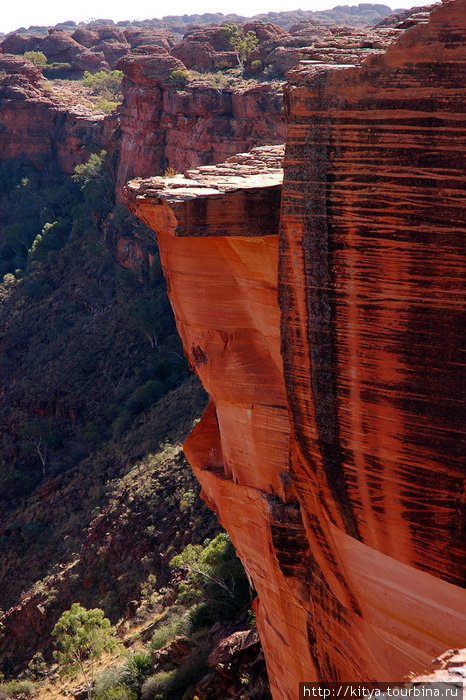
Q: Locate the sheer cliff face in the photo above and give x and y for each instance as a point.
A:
(370, 289)
(327, 337)
(217, 230)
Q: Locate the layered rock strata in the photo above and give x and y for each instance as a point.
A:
(371, 294)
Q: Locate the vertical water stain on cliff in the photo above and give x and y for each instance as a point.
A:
(317, 251)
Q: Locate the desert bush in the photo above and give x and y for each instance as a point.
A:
(118, 692)
(172, 685)
(111, 677)
(104, 105)
(9, 280)
(57, 69)
(158, 685)
(137, 669)
(144, 396)
(52, 237)
(256, 67)
(16, 484)
(179, 78)
(177, 623)
(19, 689)
(36, 57)
(104, 83)
(215, 571)
(95, 182)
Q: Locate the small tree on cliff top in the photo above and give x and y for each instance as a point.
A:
(81, 637)
(242, 44)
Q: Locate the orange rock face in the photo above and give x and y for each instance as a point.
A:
(327, 338)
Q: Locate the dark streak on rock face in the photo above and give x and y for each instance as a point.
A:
(317, 242)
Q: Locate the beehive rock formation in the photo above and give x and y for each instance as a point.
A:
(327, 335)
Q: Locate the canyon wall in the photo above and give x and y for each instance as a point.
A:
(327, 336)
(34, 128)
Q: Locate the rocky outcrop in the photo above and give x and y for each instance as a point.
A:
(58, 46)
(148, 37)
(199, 49)
(34, 129)
(163, 126)
(87, 49)
(327, 338)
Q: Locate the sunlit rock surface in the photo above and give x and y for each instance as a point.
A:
(331, 446)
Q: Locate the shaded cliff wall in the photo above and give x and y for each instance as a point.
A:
(340, 480)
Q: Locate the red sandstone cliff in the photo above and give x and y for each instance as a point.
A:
(37, 130)
(331, 446)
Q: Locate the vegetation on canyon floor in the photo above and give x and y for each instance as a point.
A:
(97, 499)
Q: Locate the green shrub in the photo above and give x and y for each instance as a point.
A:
(215, 571)
(16, 484)
(111, 677)
(52, 237)
(105, 84)
(122, 424)
(104, 105)
(118, 692)
(36, 290)
(179, 78)
(59, 65)
(9, 280)
(57, 69)
(36, 57)
(256, 67)
(176, 624)
(158, 686)
(144, 396)
(19, 689)
(172, 685)
(95, 181)
(137, 669)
